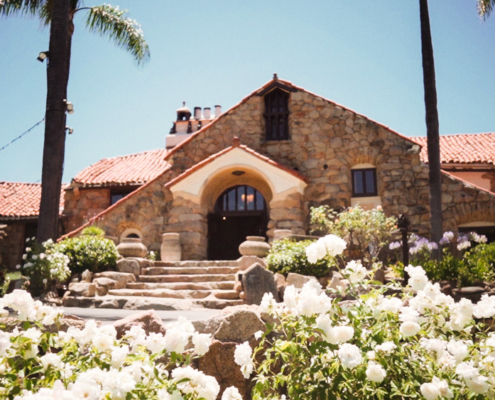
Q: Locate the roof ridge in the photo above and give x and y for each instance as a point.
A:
(456, 134)
(128, 155)
(21, 183)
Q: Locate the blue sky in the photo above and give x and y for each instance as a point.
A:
(365, 55)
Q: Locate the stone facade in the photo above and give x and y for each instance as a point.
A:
(83, 204)
(326, 141)
(12, 246)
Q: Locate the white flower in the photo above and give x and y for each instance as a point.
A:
(258, 335)
(119, 353)
(386, 347)
(375, 372)
(198, 383)
(355, 272)
(242, 354)
(316, 251)
(50, 359)
(176, 340)
(155, 342)
(350, 355)
(443, 388)
(418, 281)
(429, 391)
(334, 244)
(409, 328)
(231, 393)
(103, 342)
(202, 343)
(162, 394)
(5, 343)
(290, 297)
(268, 303)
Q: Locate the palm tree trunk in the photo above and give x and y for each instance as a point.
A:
(55, 118)
(432, 126)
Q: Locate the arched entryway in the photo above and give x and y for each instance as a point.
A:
(239, 211)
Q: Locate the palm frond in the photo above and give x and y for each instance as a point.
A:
(111, 22)
(485, 7)
(23, 7)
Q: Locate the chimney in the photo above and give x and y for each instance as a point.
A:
(218, 111)
(197, 113)
(207, 113)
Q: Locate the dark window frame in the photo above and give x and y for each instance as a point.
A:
(365, 193)
(277, 115)
(221, 205)
(120, 192)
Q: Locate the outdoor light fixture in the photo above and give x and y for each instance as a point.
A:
(42, 56)
(69, 130)
(70, 107)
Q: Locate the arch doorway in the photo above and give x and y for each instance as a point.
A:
(239, 211)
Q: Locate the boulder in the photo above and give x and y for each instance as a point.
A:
(379, 275)
(121, 278)
(246, 261)
(238, 286)
(87, 276)
(84, 289)
(103, 285)
(281, 284)
(148, 320)
(219, 362)
(67, 321)
(298, 280)
(129, 265)
(256, 281)
(239, 326)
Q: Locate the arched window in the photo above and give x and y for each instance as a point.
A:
(240, 199)
(277, 115)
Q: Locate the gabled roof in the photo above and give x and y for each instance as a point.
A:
(235, 144)
(22, 200)
(472, 148)
(133, 169)
(262, 90)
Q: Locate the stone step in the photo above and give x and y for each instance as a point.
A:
(218, 303)
(193, 263)
(180, 270)
(187, 278)
(175, 294)
(225, 285)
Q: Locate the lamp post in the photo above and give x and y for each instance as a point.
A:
(404, 229)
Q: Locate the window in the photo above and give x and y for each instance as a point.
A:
(364, 182)
(117, 194)
(277, 115)
(240, 200)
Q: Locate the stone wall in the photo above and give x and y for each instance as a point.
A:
(12, 247)
(83, 204)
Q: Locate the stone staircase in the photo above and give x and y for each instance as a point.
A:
(204, 283)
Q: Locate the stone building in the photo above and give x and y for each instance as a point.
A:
(261, 166)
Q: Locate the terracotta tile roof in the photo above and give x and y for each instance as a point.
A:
(22, 200)
(134, 169)
(235, 144)
(471, 148)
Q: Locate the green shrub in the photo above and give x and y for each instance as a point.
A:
(93, 231)
(288, 256)
(366, 231)
(89, 252)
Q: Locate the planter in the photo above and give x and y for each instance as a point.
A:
(132, 247)
(170, 249)
(254, 246)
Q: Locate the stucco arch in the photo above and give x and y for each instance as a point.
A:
(227, 177)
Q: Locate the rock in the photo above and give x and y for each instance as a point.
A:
(67, 321)
(298, 280)
(128, 265)
(379, 275)
(246, 261)
(219, 362)
(84, 289)
(239, 326)
(281, 284)
(121, 278)
(87, 276)
(238, 286)
(103, 285)
(242, 295)
(334, 283)
(257, 281)
(148, 320)
(101, 290)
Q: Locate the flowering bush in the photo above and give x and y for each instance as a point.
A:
(91, 252)
(44, 266)
(366, 231)
(419, 344)
(287, 256)
(466, 258)
(93, 364)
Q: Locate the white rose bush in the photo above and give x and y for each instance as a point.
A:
(92, 364)
(387, 343)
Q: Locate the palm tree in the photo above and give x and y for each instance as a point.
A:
(105, 20)
(485, 7)
(432, 126)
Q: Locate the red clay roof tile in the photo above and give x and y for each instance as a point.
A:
(462, 148)
(133, 169)
(22, 200)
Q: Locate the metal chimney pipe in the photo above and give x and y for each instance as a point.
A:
(207, 113)
(218, 111)
(197, 113)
